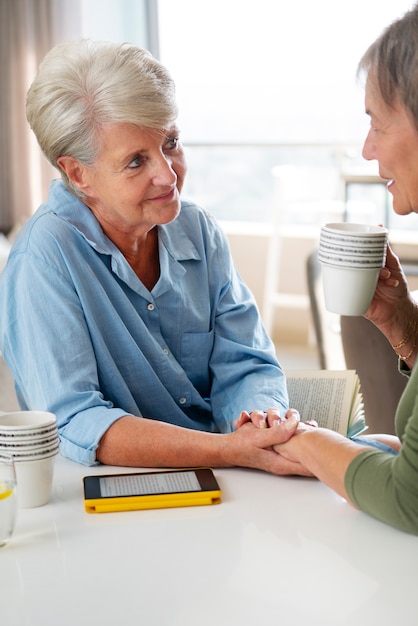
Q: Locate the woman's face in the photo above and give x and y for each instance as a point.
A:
(393, 141)
(136, 181)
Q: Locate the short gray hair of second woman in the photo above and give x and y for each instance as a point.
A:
(392, 62)
(83, 85)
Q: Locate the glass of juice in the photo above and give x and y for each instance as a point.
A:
(8, 502)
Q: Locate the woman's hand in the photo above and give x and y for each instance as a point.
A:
(291, 452)
(391, 294)
(256, 434)
(265, 419)
(394, 311)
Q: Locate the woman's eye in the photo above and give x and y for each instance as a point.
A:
(172, 143)
(136, 162)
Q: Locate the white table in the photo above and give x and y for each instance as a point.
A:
(276, 551)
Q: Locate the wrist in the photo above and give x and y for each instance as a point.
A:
(397, 325)
(406, 347)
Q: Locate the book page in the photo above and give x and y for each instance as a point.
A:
(332, 398)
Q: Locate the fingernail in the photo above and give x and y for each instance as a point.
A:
(291, 421)
(263, 424)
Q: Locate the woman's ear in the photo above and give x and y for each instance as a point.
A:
(74, 170)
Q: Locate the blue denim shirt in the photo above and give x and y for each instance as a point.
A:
(85, 339)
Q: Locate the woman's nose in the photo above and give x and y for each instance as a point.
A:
(163, 171)
(368, 151)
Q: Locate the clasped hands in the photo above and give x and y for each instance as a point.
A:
(270, 431)
(271, 418)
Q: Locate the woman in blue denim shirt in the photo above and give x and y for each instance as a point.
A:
(121, 310)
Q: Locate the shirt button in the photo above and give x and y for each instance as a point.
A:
(150, 307)
(165, 351)
(182, 400)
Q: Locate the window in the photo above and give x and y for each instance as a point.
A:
(270, 109)
(129, 20)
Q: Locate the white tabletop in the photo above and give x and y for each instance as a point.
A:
(276, 551)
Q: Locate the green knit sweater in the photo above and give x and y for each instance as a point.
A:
(386, 486)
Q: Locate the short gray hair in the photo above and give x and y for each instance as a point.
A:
(392, 62)
(83, 85)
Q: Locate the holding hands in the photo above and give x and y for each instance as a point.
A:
(268, 432)
(285, 445)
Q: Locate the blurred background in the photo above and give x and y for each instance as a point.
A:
(271, 116)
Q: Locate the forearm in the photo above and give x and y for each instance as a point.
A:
(403, 333)
(389, 440)
(140, 442)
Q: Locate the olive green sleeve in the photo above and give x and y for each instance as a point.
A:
(386, 486)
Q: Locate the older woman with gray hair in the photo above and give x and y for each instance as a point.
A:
(121, 310)
(379, 474)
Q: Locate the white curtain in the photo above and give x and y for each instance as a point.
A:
(28, 29)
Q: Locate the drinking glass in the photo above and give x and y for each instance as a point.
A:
(8, 502)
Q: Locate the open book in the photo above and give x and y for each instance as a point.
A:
(331, 397)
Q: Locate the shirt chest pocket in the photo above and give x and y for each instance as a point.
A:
(196, 351)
